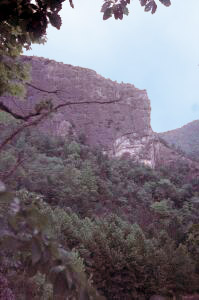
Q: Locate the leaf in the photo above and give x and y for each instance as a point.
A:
(60, 287)
(71, 3)
(154, 8)
(2, 187)
(151, 6)
(83, 294)
(6, 199)
(44, 267)
(55, 20)
(13, 222)
(107, 14)
(125, 11)
(47, 254)
(143, 2)
(64, 255)
(148, 6)
(32, 270)
(33, 6)
(36, 251)
(194, 228)
(54, 272)
(54, 250)
(9, 242)
(105, 6)
(37, 220)
(166, 2)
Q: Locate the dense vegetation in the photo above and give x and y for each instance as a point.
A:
(132, 231)
(185, 139)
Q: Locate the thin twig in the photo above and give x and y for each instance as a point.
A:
(42, 90)
(21, 128)
(10, 172)
(26, 118)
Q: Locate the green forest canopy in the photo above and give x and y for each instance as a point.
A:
(133, 230)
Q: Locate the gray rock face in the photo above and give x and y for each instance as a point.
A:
(114, 116)
(119, 128)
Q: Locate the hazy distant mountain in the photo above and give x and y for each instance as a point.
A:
(185, 138)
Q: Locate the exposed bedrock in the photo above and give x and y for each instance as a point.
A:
(113, 116)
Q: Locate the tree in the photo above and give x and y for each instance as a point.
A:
(23, 22)
(36, 248)
(118, 8)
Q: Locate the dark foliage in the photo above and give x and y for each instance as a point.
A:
(118, 8)
(184, 139)
(5, 291)
(83, 192)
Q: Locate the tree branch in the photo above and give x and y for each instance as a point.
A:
(42, 90)
(6, 109)
(21, 128)
(10, 172)
(85, 102)
(41, 115)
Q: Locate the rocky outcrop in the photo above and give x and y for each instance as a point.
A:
(139, 147)
(112, 116)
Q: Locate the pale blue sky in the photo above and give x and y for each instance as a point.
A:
(159, 53)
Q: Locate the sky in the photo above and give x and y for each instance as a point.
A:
(159, 53)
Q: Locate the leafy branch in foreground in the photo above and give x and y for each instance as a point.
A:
(118, 8)
(5, 291)
(28, 233)
(22, 22)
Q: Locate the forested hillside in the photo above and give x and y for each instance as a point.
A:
(132, 230)
(185, 139)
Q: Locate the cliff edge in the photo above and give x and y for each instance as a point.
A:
(110, 115)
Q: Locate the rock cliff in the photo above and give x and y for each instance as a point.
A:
(119, 127)
(114, 116)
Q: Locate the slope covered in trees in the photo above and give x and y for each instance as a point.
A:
(133, 230)
(185, 139)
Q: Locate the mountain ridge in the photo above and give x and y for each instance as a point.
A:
(119, 128)
(185, 138)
